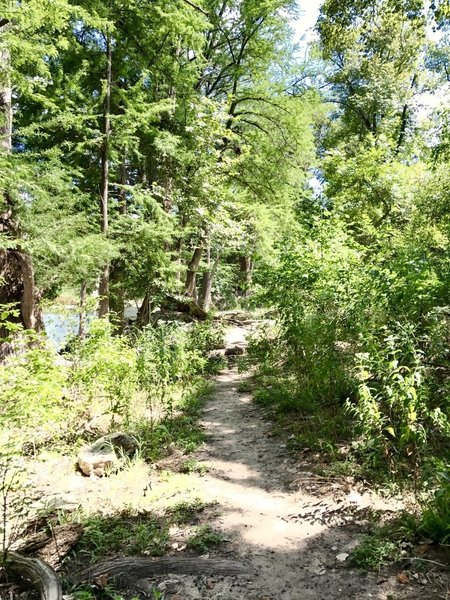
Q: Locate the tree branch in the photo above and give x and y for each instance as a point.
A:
(196, 7)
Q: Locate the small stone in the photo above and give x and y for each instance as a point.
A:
(342, 557)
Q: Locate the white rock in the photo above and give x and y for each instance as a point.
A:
(342, 557)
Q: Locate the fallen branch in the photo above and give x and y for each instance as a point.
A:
(140, 567)
(36, 571)
(427, 560)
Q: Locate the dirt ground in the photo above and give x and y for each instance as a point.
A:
(290, 529)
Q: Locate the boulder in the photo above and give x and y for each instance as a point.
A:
(107, 453)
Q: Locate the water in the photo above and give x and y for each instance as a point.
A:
(59, 327)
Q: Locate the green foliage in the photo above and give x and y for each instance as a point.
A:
(166, 357)
(392, 400)
(185, 512)
(126, 534)
(105, 368)
(374, 552)
(159, 435)
(436, 515)
(34, 405)
(204, 538)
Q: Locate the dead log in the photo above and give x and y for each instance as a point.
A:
(132, 568)
(53, 544)
(37, 572)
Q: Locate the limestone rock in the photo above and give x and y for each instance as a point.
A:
(106, 453)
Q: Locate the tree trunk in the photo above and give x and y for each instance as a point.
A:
(206, 282)
(16, 267)
(245, 276)
(144, 312)
(5, 98)
(404, 119)
(103, 289)
(82, 314)
(190, 288)
(117, 295)
(118, 265)
(137, 567)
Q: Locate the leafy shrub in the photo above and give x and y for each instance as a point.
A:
(204, 538)
(166, 359)
(392, 409)
(373, 552)
(436, 516)
(206, 336)
(105, 368)
(34, 402)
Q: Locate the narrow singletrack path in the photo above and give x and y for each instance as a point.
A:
(292, 548)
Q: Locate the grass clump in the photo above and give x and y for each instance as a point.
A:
(193, 466)
(373, 552)
(204, 538)
(185, 512)
(124, 534)
(436, 515)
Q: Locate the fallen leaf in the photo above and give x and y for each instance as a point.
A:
(402, 578)
(102, 580)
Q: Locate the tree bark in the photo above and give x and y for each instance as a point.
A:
(206, 282)
(82, 313)
(103, 289)
(404, 120)
(118, 265)
(190, 288)
(245, 276)
(5, 99)
(144, 312)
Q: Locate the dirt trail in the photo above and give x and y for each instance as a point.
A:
(289, 557)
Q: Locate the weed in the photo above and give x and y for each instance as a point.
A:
(185, 512)
(127, 534)
(436, 516)
(373, 552)
(204, 538)
(193, 466)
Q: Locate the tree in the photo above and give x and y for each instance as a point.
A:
(375, 49)
(16, 268)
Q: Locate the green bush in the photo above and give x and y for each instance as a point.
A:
(436, 515)
(105, 368)
(391, 407)
(34, 400)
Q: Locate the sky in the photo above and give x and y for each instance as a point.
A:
(308, 17)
